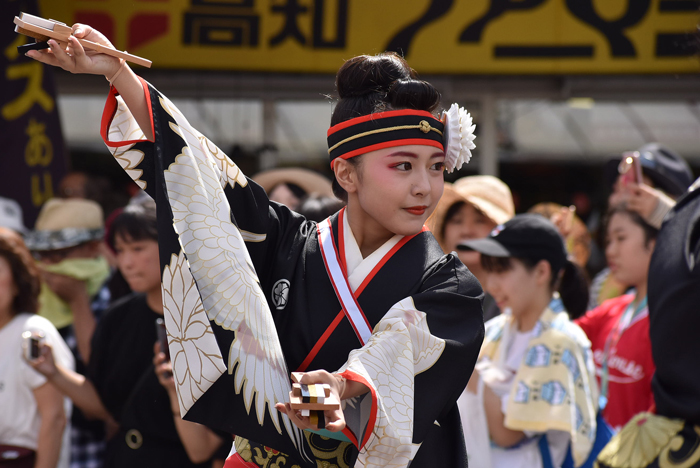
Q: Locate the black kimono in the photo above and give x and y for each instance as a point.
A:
(248, 298)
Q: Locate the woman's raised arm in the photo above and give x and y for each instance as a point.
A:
(76, 59)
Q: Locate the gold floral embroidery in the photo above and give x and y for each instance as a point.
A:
(197, 361)
(640, 442)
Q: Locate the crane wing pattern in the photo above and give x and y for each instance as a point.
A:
(225, 277)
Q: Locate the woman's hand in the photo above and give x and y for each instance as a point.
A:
(45, 363)
(335, 420)
(67, 288)
(74, 58)
(642, 199)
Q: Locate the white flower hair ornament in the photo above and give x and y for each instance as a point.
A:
(459, 137)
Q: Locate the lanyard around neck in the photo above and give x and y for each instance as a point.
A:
(611, 343)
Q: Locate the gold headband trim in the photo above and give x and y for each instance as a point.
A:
(424, 126)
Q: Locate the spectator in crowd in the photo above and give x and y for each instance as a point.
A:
(11, 216)
(98, 188)
(470, 209)
(571, 227)
(619, 327)
(524, 404)
(66, 240)
(318, 207)
(665, 176)
(122, 387)
(578, 246)
(33, 414)
(289, 186)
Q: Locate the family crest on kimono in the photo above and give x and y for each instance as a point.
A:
(365, 301)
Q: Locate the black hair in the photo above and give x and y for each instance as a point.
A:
(318, 207)
(136, 222)
(570, 282)
(296, 190)
(375, 83)
(650, 232)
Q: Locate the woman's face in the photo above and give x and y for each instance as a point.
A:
(465, 224)
(627, 253)
(398, 188)
(138, 262)
(8, 289)
(516, 288)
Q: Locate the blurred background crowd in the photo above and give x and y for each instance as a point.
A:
(556, 128)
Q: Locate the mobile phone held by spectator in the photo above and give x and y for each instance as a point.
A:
(630, 168)
(31, 343)
(162, 337)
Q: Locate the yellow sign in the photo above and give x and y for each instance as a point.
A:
(436, 36)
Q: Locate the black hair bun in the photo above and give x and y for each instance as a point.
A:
(375, 83)
(367, 74)
(413, 94)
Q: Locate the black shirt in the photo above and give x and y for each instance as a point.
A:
(121, 368)
(674, 311)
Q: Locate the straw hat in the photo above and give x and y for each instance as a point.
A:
(488, 194)
(309, 181)
(64, 223)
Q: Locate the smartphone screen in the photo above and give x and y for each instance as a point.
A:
(162, 337)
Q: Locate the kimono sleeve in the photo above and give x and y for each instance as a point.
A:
(416, 364)
(217, 231)
(262, 223)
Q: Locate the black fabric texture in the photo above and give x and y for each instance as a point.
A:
(674, 318)
(121, 368)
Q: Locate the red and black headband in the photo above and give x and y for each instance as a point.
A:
(384, 130)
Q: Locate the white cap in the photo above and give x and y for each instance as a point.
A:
(11, 215)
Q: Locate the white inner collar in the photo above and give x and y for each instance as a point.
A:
(358, 267)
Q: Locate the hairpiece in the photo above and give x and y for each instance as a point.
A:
(459, 137)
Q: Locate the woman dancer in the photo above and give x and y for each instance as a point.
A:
(368, 293)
